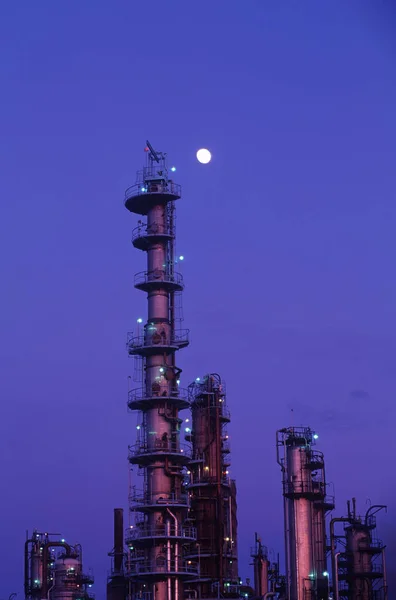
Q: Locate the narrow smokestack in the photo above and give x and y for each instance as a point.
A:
(118, 539)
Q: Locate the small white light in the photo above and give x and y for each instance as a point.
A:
(181, 257)
(139, 320)
(137, 426)
(161, 370)
(178, 381)
(187, 420)
(315, 437)
(198, 379)
(143, 189)
(173, 169)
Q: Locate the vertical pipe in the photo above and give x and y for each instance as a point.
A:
(385, 575)
(334, 564)
(176, 533)
(220, 499)
(335, 577)
(230, 522)
(168, 558)
(27, 574)
(118, 539)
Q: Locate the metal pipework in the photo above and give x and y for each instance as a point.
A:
(158, 452)
(334, 555)
(46, 547)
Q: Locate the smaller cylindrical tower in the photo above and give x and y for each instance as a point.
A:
(69, 581)
(305, 507)
(212, 492)
(261, 566)
(53, 569)
(66, 575)
(117, 582)
(359, 566)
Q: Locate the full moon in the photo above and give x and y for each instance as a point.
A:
(204, 156)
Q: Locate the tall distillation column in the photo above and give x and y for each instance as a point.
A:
(213, 493)
(156, 565)
(305, 506)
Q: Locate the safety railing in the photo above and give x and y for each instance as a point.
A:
(158, 276)
(74, 576)
(160, 499)
(202, 479)
(139, 394)
(316, 458)
(329, 500)
(303, 487)
(225, 446)
(225, 413)
(137, 533)
(153, 229)
(154, 337)
(373, 545)
(159, 445)
(163, 566)
(158, 187)
(371, 521)
(138, 595)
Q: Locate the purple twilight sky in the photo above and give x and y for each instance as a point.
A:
(288, 237)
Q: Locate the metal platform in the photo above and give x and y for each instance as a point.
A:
(148, 344)
(138, 399)
(157, 279)
(140, 199)
(140, 454)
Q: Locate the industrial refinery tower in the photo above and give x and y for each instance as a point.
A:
(212, 491)
(306, 504)
(156, 566)
(358, 557)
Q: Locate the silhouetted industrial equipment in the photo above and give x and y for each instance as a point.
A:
(358, 557)
(267, 577)
(53, 569)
